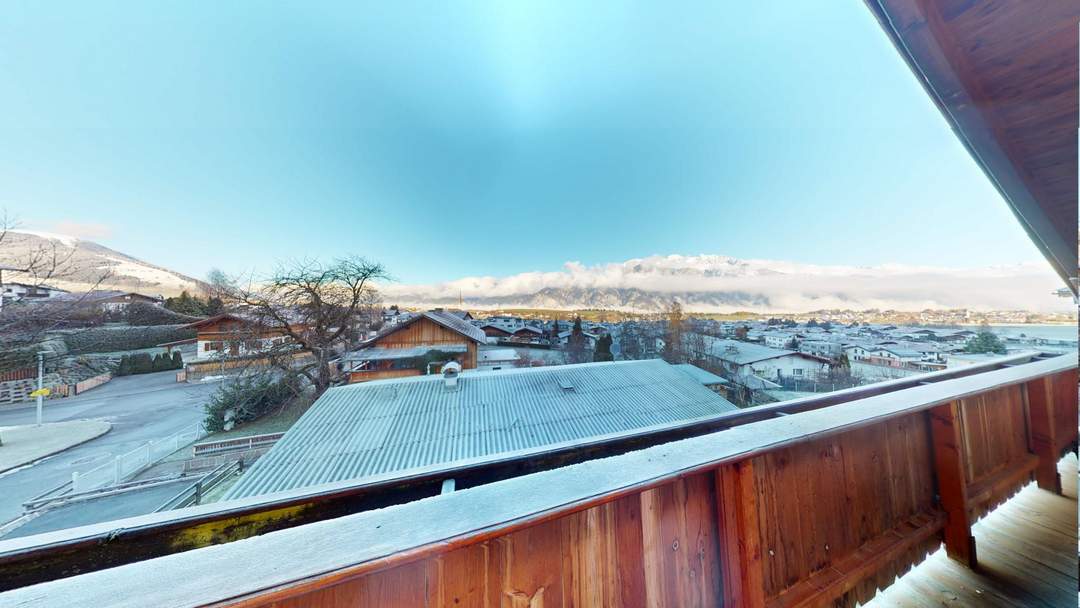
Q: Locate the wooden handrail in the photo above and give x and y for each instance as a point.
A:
(46, 557)
(346, 550)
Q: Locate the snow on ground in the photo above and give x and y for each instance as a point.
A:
(66, 240)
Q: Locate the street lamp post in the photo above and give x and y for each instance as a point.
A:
(40, 383)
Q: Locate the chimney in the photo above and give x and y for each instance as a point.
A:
(450, 373)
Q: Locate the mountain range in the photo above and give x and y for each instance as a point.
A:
(713, 283)
(87, 265)
(701, 283)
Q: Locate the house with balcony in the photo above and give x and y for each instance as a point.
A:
(233, 335)
(416, 345)
(741, 360)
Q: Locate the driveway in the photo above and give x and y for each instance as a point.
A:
(140, 408)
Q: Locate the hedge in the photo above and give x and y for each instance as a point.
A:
(113, 339)
(143, 313)
(143, 363)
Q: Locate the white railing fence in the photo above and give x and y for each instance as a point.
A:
(125, 465)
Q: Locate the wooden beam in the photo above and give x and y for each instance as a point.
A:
(831, 582)
(1004, 482)
(1043, 439)
(740, 541)
(945, 429)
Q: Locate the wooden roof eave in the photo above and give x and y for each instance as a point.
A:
(923, 39)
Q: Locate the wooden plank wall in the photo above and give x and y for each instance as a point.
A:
(820, 502)
(381, 374)
(425, 332)
(826, 521)
(657, 549)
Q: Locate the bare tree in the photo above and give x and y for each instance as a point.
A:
(524, 359)
(301, 317)
(674, 349)
(696, 347)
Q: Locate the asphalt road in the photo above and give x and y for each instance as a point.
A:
(140, 408)
(106, 508)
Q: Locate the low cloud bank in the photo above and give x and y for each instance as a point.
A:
(711, 283)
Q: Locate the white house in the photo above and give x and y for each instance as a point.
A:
(26, 291)
(821, 348)
(742, 359)
(493, 359)
(779, 339)
(590, 339)
(857, 352)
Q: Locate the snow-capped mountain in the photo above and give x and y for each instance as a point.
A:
(712, 283)
(84, 263)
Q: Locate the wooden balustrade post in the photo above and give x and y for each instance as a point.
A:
(949, 459)
(740, 545)
(1042, 437)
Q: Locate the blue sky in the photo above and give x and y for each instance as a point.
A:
(484, 138)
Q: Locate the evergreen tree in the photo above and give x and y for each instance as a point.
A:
(603, 349)
(985, 341)
(576, 351)
(185, 304)
(177, 360)
(125, 366)
(843, 362)
(142, 364)
(214, 306)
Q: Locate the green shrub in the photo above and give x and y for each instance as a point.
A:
(177, 360)
(124, 369)
(141, 363)
(249, 398)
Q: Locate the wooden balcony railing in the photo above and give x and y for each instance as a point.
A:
(806, 509)
(367, 375)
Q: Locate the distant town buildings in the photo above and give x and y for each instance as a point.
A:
(24, 291)
(105, 300)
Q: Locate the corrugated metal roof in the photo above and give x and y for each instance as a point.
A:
(388, 426)
(743, 353)
(701, 375)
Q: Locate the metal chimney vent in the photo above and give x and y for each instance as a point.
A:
(450, 373)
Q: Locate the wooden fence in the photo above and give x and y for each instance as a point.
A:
(24, 373)
(89, 383)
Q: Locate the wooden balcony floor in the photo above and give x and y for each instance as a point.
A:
(1027, 552)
